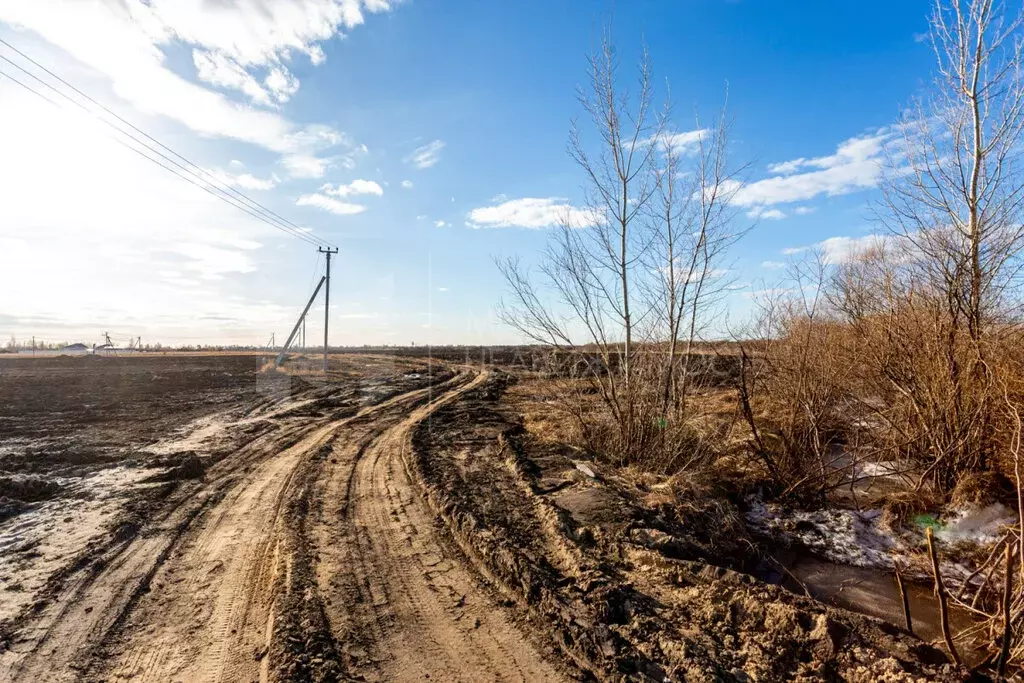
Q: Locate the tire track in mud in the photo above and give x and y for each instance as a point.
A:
(212, 615)
(305, 555)
(89, 603)
(206, 618)
(400, 604)
(93, 596)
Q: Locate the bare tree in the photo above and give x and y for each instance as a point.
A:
(590, 264)
(618, 186)
(691, 221)
(601, 292)
(957, 197)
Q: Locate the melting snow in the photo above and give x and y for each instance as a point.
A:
(842, 536)
(38, 542)
(858, 538)
(977, 525)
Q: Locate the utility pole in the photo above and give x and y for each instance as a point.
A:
(298, 323)
(327, 299)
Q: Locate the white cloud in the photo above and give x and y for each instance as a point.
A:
(181, 258)
(442, 289)
(407, 184)
(356, 187)
(804, 210)
(246, 181)
(426, 156)
(216, 69)
(773, 265)
(255, 32)
(681, 143)
(124, 41)
(856, 165)
(841, 249)
(306, 165)
(313, 166)
(421, 217)
(281, 84)
(766, 214)
(439, 224)
(532, 212)
(331, 204)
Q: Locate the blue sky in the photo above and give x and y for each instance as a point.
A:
(439, 109)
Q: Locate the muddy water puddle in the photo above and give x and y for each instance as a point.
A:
(874, 592)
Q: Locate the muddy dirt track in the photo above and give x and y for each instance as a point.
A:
(306, 554)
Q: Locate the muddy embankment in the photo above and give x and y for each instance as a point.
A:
(624, 589)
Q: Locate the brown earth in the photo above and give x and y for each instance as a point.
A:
(394, 523)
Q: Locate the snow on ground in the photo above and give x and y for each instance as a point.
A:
(40, 541)
(880, 469)
(198, 433)
(860, 539)
(980, 526)
(192, 436)
(838, 535)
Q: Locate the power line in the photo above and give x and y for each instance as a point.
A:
(231, 196)
(202, 187)
(151, 138)
(34, 92)
(222, 195)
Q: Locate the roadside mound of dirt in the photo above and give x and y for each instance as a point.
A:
(623, 581)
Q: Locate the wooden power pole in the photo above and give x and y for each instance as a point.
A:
(327, 299)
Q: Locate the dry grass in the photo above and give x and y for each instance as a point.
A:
(569, 411)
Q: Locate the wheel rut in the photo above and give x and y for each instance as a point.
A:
(401, 604)
(311, 556)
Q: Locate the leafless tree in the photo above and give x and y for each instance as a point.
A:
(590, 264)
(618, 187)
(957, 194)
(956, 198)
(692, 226)
(602, 292)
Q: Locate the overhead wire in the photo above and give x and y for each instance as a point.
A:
(151, 138)
(195, 180)
(201, 178)
(26, 87)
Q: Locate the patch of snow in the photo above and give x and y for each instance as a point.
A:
(190, 437)
(198, 433)
(842, 536)
(880, 469)
(585, 469)
(978, 525)
(859, 539)
(40, 541)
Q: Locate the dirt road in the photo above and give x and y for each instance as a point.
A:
(306, 555)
